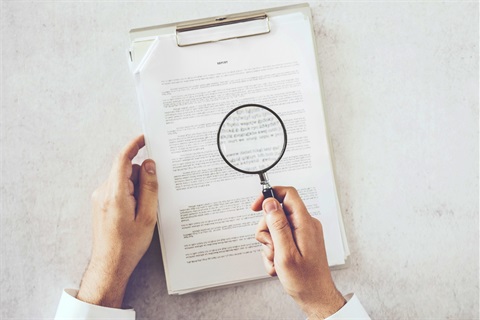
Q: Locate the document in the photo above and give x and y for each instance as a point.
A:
(206, 226)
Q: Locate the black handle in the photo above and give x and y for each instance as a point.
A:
(268, 193)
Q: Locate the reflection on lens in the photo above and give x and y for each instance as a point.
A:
(252, 139)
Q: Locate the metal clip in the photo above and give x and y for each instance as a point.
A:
(250, 26)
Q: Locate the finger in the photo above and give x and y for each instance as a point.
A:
(135, 174)
(262, 234)
(122, 168)
(268, 252)
(131, 149)
(134, 177)
(269, 266)
(279, 229)
(98, 194)
(257, 203)
(131, 188)
(292, 203)
(297, 213)
(147, 193)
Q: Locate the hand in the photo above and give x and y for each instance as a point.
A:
(124, 217)
(294, 250)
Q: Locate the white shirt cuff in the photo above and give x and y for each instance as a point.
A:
(353, 309)
(70, 307)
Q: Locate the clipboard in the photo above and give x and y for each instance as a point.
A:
(210, 35)
(213, 29)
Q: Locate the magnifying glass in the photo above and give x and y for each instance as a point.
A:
(252, 139)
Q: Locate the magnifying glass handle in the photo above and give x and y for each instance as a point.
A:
(267, 190)
(268, 193)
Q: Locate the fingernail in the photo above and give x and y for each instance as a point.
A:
(270, 205)
(150, 167)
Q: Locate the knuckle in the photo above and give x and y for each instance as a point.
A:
(150, 220)
(131, 186)
(268, 253)
(269, 266)
(292, 190)
(261, 236)
(318, 225)
(110, 201)
(272, 272)
(105, 205)
(150, 185)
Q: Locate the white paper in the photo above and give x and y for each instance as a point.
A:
(205, 222)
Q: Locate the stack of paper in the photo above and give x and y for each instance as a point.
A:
(205, 222)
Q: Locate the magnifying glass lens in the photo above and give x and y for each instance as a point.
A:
(252, 139)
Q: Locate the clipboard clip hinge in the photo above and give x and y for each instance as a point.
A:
(222, 28)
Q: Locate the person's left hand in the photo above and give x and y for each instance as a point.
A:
(124, 217)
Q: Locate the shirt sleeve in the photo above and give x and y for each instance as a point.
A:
(353, 309)
(71, 308)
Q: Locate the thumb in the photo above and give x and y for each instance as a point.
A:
(147, 200)
(279, 228)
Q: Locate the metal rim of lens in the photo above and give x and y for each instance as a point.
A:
(284, 138)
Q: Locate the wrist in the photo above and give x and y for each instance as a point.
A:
(103, 285)
(326, 305)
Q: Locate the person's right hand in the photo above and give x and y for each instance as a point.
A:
(294, 250)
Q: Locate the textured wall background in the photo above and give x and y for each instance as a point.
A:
(402, 100)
